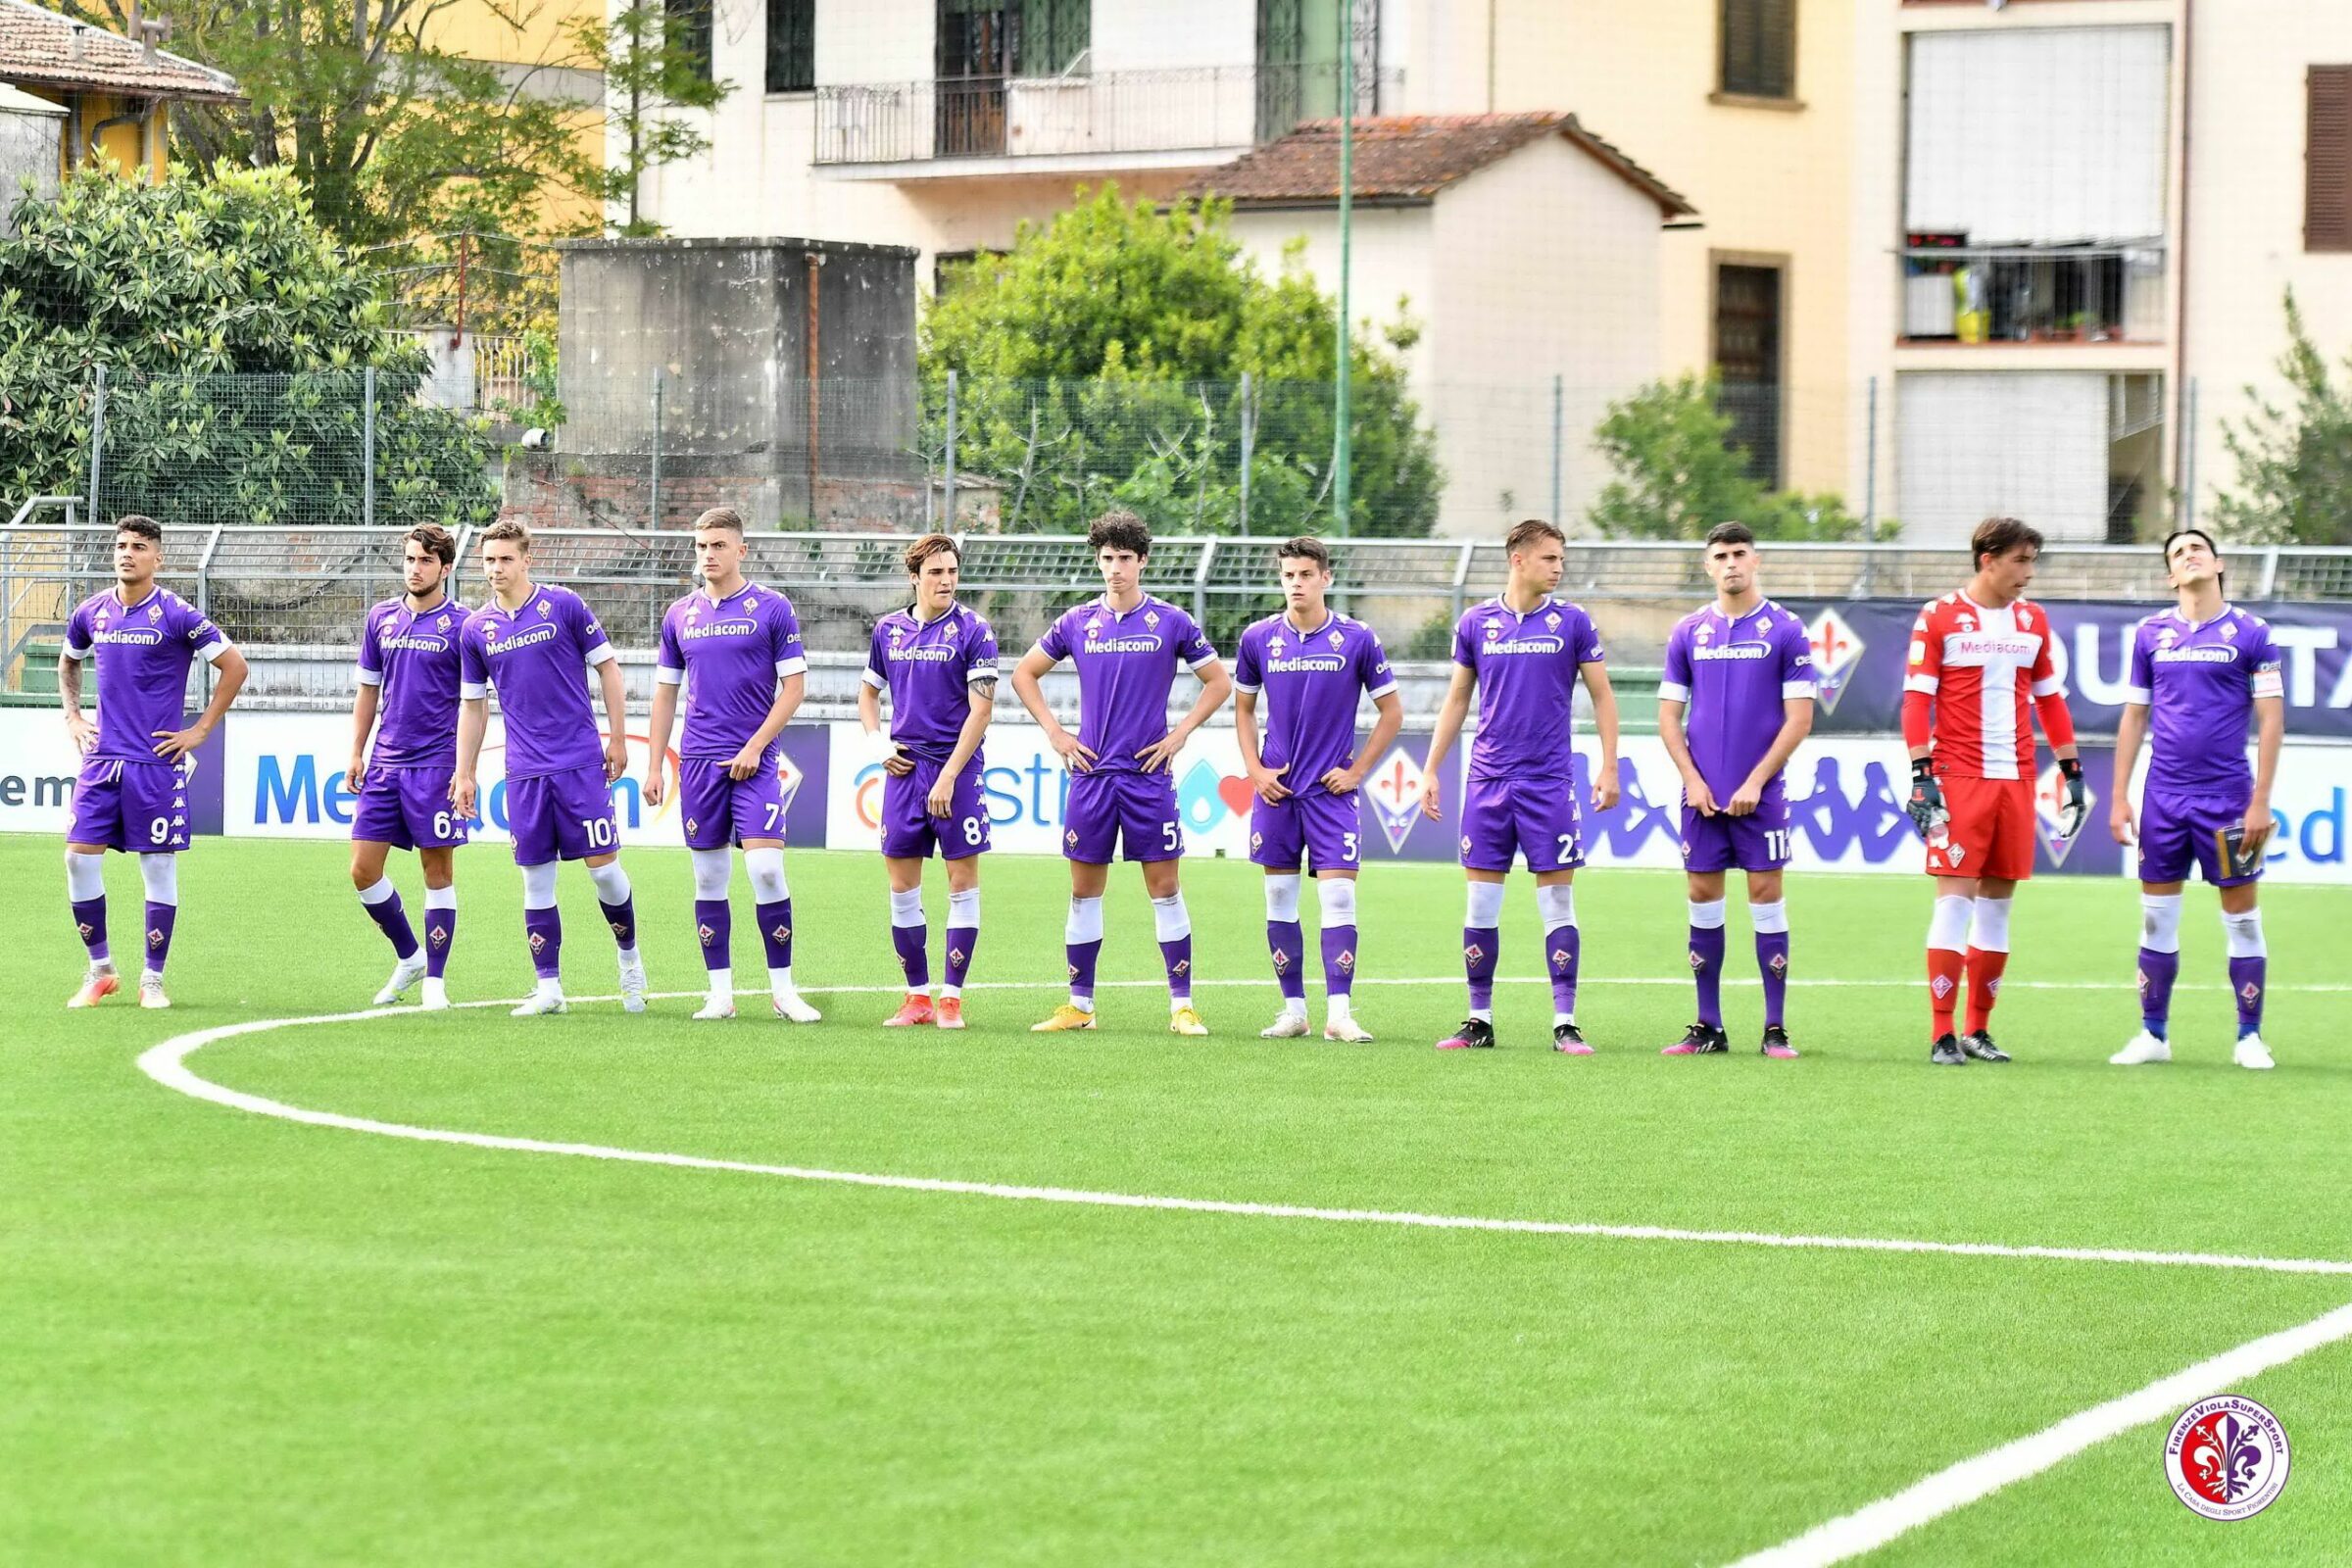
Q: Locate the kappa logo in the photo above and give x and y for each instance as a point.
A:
(1836, 651)
(1277, 645)
(1494, 630)
(1966, 621)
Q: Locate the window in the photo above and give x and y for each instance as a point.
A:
(686, 27)
(2328, 159)
(1760, 49)
(1054, 35)
(791, 45)
(1747, 361)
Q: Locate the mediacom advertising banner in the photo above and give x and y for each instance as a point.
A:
(1846, 792)
(285, 778)
(1859, 649)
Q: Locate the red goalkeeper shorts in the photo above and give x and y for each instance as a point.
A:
(1992, 829)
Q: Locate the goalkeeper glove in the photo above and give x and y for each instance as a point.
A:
(1926, 805)
(2078, 804)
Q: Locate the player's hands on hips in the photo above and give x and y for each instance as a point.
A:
(2259, 825)
(1160, 755)
(2121, 824)
(1075, 756)
(355, 773)
(616, 758)
(1432, 798)
(1267, 781)
(2076, 809)
(747, 762)
(84, 734)
(1926, 806)
(1604, 784)
(1698, 796)
(172, 745)
(1343, 780)
(461, 795)
(1746, 799)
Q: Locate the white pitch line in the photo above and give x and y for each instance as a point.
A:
(1867, 1529)
(2007, 986)
(167, 1064)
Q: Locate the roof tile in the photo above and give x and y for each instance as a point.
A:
(40, 47)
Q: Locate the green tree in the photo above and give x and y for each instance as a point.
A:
(1098, 363)
(2294, 463)
(1675, 473)
(390, 136)
(237, 336)
(656, 61)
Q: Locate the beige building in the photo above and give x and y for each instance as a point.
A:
(943, 124)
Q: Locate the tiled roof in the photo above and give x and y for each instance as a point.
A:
(1408, 158)
(42, 48)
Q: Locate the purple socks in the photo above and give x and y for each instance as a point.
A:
(1478, 949)
(1706, 968)
(1338, 960)
(543, 930)
(89, 919)
(1287, 941)
(1561, 947)
(713, 928)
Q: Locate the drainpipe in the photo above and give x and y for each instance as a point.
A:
(2184, 437)
(136, 117)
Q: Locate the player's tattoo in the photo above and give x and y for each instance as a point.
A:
(987, 689)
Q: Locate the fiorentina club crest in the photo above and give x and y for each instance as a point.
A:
(2227, 1457)
(1836, 652)
(1282, 961)
(1346, 961)
(1335, 640)
(782, 933)
(2049, 804)
(1942, 986)
(1396, 790)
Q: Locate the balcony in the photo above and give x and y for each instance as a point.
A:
(1957, 293)
(1113, 118)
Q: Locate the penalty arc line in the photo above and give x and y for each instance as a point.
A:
(1868, 1528)
(167, 1064)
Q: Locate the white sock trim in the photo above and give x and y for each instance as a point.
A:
(383, 892)
(1484, 910)
(1709, 916)
(1556, 904)
(611, 882)
(1947, 925)
(161, 874)
(2160, 921)
(711, 870)
(964, 909)
(2245, 934)
(539, 885)
(1335, 896)
(86, 876)
(1282, 897)
(1990, 931)
(1769, 920)
(906, 909)
(441, 898)
(765, 867)
(1085, 920)
(1170, 919)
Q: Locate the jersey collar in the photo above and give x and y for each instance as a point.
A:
(115, 594)
(704, 594)
(1330, 619)
(2213, 619)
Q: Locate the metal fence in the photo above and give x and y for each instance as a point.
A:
(308, 587)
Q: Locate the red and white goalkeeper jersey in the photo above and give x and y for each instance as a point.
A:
(1982, 668)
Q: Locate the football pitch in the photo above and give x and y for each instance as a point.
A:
(1143, 1300)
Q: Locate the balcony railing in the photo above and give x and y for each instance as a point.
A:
(1105, 114)
(2099, 293)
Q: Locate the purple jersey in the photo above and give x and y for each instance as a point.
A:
(1527, 669)
(143, 650)
(929, 668)
(1311, 680)
(730, 653)
(537, 657)
(1126, 667)
(412, 654)
(1734, 675)
(2199, 681)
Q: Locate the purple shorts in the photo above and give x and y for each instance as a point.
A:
(1534, 817)
(408, 808)
(909, 832)
(1324, 830)
(2181, 831)
(722, 810)
(138, 807)
(1108, 809)
(564, 817)
(1757, 842)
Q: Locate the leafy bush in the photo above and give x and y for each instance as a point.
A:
(1677, 472)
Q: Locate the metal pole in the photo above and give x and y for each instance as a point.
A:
(1558, 393)
(97, 434)
(653, 502)
(1869, 465)
(948, 491)
(368, 448)
(1249, 445)
(2188, 461)
(1341, 414)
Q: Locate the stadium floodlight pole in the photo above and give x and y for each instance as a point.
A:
(1342, 418)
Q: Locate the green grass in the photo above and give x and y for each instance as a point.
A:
(235, 1340)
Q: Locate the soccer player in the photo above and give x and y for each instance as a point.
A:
(131, 794)
(407, 699)
(1522, 653)
(1125, 646)
(1742, 668)
(1313, 665)
(536, 642)
(1979, 658)
(735, 647)
(937, 660)
(2197, 672)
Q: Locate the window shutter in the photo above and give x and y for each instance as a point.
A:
(2327, 160)
(791, 45)
(1759, 48)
